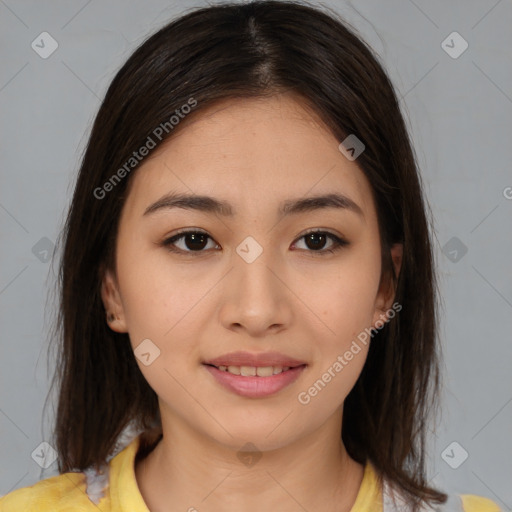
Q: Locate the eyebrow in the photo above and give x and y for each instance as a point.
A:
(209, 204)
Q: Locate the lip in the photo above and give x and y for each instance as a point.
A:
(255, 387)
(242, 358)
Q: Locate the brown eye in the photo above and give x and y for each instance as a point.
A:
(315, 241)
(192, 241)
(197, 241)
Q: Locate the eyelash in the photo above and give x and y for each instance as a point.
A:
(339, 243)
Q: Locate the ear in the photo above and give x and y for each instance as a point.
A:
(112, 302)
(386, 293)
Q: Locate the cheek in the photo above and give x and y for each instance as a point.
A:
(168, 305)
(157, 296)
(346, 297)
(342, 340)
(327, 388)
(160, 310)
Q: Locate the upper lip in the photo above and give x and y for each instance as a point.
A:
(241, 358)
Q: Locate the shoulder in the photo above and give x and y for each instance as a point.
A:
(88, 491)
(65, 492)
(455, 502)
(473, 503)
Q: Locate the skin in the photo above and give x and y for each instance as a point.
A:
(254, 154)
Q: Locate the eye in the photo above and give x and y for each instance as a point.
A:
(194, 240)
(316, 239)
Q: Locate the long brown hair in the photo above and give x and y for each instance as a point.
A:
(251, 50)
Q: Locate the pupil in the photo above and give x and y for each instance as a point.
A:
(196, 241)
(197, 238)
(312, 237)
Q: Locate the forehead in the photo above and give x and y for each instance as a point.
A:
(252, 152)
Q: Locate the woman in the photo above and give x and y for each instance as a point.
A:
(247, 284)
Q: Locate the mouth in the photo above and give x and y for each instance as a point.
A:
(253, 371)
(254, 381)
(248, 360)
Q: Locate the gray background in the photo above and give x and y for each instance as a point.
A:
(459, 111)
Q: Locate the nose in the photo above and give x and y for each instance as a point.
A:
(256, 297)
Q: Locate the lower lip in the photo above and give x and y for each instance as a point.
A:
(255, 387)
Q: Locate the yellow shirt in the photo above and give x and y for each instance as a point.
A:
(67, 492)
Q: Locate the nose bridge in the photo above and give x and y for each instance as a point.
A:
(253, 262)
(254, 298)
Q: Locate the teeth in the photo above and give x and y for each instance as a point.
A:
(248, 371)
(264, 371)
(252, 371)
(235, 370)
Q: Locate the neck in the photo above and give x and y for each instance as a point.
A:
(191, 471)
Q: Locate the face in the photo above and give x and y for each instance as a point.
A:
(250, 276)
